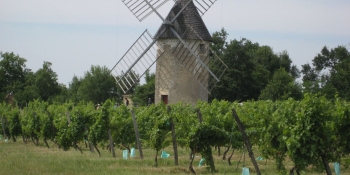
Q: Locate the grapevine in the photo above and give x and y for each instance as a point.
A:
(313, 131)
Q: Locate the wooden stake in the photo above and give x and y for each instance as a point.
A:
(111, 142)
(199, 114)
(68, 117)
(90, 145)
(246, 141)
(137, 134)
(3, 126)
(173, 134)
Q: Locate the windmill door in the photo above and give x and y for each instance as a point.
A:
(165, 99)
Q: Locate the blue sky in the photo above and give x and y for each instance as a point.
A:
(75, 34)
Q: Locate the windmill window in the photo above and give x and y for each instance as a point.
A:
(201, 48)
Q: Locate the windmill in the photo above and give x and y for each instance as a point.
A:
(180, 49)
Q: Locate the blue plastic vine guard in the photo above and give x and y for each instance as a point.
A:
(132, 152)
(125, 154)
(245, 171)
(259, 158)
(336, 168)
(164, 155)
(201, 162)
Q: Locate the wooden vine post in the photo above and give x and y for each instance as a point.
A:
(137, 134)
(199, 114)
(111, 143)
(68, 117)
(3, 125)
(173, 134)
(90, 145)
(246, 141)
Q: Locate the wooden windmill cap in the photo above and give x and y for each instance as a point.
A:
(187, 19)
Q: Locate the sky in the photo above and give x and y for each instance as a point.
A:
(76, 34)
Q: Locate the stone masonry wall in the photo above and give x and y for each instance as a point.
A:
(175, 80)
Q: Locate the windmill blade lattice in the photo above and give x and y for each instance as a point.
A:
(141, 9)
(136, 61)
(199, 68)
(202, 5)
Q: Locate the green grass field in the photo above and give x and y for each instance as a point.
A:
(19, 158)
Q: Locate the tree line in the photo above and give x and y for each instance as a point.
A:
(255, 72)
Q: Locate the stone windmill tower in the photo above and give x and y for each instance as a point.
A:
(180, 49)
(175, 72)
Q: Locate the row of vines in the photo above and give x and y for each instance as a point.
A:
(314, 131)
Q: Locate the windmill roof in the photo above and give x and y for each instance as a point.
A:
(187, 19)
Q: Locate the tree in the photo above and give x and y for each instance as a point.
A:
(73, 89)
(250, 67)
(219, 42)
(63, 96)
(23, 83)
(12, 73)
(237, 82)
(281, 87)
(339, 80)
(330, 74)
(46, 82)
(96, 85)
(144, 92)
(30, 91)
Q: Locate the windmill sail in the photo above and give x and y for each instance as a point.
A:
(141, 9)
(185, 38)
(200, 69)
(136, 61)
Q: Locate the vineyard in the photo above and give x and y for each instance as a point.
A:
(311, 133)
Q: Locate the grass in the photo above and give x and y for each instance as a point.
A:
(19, 158)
